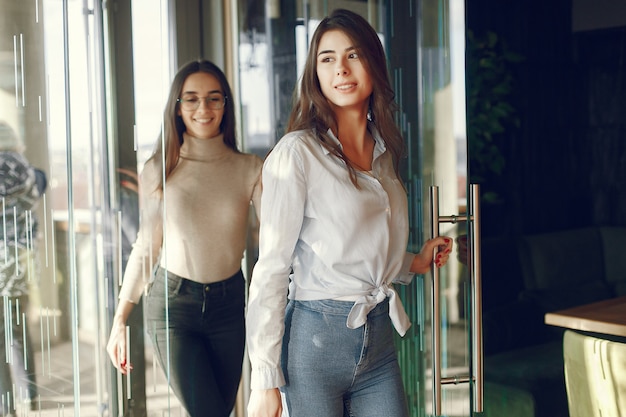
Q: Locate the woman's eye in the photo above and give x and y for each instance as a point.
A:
(192, 99)
(215, 99)
(354, 55)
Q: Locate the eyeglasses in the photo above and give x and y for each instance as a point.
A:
(193, 103)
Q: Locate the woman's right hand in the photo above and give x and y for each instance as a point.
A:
(265, 403)
(116, 346)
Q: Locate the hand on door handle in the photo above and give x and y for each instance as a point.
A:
(423, 260)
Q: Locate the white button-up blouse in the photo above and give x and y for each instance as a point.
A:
(323, 238)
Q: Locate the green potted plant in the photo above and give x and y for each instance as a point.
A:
(490, 113)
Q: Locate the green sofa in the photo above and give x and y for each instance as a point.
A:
(524, 278)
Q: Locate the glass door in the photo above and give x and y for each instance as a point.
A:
(436, 355)
(57, 95)
(53, 280)
(425, 46)
(69, 201)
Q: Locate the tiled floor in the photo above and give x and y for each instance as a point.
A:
(58, 385)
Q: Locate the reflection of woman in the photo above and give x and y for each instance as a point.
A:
(333, 237)
(194, 220)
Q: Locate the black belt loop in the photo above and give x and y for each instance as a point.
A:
(224, 286)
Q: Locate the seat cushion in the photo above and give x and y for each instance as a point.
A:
(554, 299)
(561, 259)
(537, 371)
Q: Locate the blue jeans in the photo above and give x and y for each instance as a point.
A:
(334, 371)
(201, 342)
(21, 370)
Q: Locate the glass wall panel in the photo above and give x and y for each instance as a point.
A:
(66, 206)
(435, 130)
(65, 242)
(424, 42)
(153, 68)
(68, 226)
(52, 313)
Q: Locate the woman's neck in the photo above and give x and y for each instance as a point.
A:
(356, 142)
(352, 128)
(204, 149)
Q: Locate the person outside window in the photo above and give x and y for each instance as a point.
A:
(21, 189)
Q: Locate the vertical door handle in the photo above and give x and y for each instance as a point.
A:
(476, 365)
(477, 301)
(436, 308)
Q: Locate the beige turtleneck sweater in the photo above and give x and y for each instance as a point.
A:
(205, 205)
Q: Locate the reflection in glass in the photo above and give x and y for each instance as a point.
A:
(53, 95)
(425, 43)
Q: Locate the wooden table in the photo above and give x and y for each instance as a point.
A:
(605, 317)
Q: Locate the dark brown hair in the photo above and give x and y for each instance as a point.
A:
(311, 110)
(173, 126)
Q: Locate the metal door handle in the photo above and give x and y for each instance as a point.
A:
(436, 308)
(477, 301)
(476, 365)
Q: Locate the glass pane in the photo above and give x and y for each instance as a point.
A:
(268, 71)
(65, 235)
(71, 246)
(152, 63)
(64, 246)
(153, 76)
(52, 296)
(429, 85)
(438, 158)
(22, 131)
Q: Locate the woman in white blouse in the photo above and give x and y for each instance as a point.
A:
(333, 239)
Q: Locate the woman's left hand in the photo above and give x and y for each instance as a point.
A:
(423, 260)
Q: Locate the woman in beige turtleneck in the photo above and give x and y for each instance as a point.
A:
(196, 198)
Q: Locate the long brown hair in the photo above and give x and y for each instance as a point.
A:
(173, 125)
(311, 109)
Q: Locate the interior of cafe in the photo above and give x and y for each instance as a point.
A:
(513, 116)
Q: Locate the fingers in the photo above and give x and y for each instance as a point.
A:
(118, 358)
(125, 367)
(122, 364)
(441, 259)
(116, 348)
(436, 250)
(444, 248)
